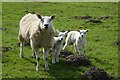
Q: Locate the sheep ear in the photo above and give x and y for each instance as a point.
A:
(39, 16)
(58, 31)
(52, 17)
(87, 30)
(66, 32)
(78, 30)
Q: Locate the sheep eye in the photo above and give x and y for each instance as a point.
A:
(60, 35)
(42, 19)
(50, 20)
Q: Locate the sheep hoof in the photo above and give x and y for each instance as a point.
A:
(21, 56)
(80, 54)
(57, 60)
(37, 69)
(46, 69)
(86, 57)
(53, 62)
(33, 56)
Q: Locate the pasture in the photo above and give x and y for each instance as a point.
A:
(101, 38)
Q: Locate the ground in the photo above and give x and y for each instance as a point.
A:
(101, 48)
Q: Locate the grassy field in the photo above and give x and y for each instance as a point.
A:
(101, 49)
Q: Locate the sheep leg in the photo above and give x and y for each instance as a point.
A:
(78, 48)
(35, 50)
(77, 44)
(66, 43)
(33, 55)
(57, 56)
(78, 51)
(46, 51)
(36, 53)
(53, 56)
(37, 58)
(75, 47)
(21, 49)
(84, 46)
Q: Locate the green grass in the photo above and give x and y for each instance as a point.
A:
(100, 48)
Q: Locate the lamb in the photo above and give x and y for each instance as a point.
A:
(58, 41)
(78, 38)
(39, 32)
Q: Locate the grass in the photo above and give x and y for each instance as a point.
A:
(100, 39)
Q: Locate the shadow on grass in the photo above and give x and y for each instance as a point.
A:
(63, 71)
(30, 60)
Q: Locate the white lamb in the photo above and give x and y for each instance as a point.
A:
(58, 41)
(78, 38)
(39, 32)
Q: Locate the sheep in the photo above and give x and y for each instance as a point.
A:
(39, 32)
(58, 45)
(78, 38)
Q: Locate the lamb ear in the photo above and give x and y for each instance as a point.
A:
(87, 30)
(52, 17)
(66, 32)
(39, 16)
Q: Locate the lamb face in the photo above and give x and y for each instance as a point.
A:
(83, 33)
(62, 35)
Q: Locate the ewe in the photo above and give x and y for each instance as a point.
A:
(39, 32)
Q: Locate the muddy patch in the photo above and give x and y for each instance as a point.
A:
(83, 17)
(96, 74)
(104, 17)
(5, 49)
(65, 54)
(117, 43)
(94, 21)
(1, 28)
(76, 60)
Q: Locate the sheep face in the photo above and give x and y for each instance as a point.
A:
(46, 21)
(83, 32)
(62, 35)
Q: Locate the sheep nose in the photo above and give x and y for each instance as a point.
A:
(61, 38)
(46, 26)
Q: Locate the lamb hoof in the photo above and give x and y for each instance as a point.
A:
(53, 62)
(57, 60)
(46, 69)
(80, 54)
(86, 57)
